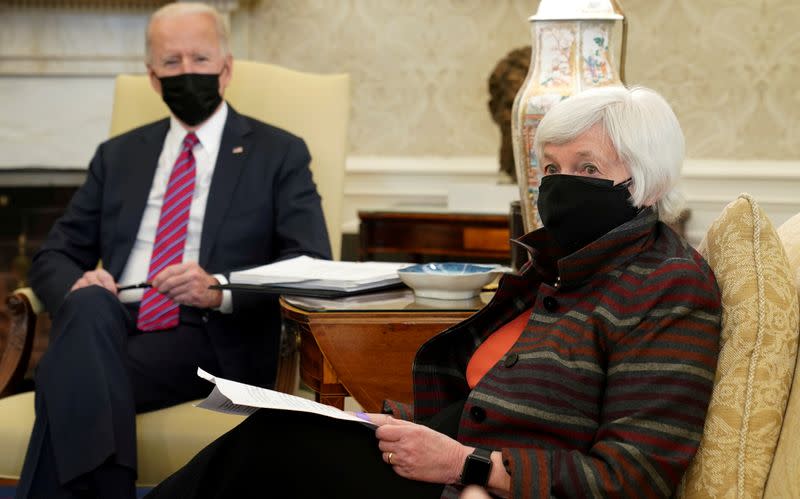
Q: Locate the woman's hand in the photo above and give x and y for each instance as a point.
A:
(418, 452)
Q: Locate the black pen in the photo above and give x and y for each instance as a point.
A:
(134, 286)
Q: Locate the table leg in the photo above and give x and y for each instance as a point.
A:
(330, 391)
(318, 374)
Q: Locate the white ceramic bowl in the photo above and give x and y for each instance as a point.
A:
(449, 281)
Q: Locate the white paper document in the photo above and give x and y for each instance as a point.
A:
(233, 397)
(313, 273)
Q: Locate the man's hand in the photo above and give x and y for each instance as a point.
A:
(99, 277)
(187, 283)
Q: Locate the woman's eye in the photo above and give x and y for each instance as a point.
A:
(590, 170)
(550, 169)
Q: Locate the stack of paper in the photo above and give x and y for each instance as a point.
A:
(304, 272)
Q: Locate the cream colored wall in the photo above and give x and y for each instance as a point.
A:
(730, 68)
(420, 67)
(420, 122)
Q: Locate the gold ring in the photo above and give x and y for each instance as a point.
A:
(389, 458)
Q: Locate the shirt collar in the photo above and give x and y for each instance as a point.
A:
(209, 133)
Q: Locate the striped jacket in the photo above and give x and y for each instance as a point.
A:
(606, 390)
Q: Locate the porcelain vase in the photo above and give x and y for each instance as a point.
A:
(568, 56)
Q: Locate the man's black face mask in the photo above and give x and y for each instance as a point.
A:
(191, 97)
(577, 210)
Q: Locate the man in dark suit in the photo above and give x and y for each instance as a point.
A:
(179, 204)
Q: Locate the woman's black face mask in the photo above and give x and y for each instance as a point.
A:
(577, 210)
(192, 97)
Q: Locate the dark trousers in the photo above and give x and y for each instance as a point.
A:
(97, 373)
(293, 455)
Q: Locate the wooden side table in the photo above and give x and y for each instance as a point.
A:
(421, 234)
(366, 349)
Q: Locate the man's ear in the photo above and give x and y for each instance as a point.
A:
(154, 82)
(226, 75)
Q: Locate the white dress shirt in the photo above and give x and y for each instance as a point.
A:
(205, 155)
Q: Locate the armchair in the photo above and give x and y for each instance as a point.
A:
(750, 445)
(313, 106)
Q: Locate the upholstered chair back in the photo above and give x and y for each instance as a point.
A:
(315, 107)
(751, 440)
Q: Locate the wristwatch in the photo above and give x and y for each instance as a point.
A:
(477, 468)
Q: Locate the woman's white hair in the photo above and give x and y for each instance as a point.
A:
(183, 8)
(645, 133)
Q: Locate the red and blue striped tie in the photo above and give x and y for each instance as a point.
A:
(158, 311)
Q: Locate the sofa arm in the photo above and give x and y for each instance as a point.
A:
(22, 307)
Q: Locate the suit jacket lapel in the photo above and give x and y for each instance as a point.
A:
(233, 151)
(135, 190)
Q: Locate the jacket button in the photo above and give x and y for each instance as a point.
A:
(204, 317)
(477, 414)
(511, 359)
(550, 303)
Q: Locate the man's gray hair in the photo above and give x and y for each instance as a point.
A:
(645, 133)
(182, 8)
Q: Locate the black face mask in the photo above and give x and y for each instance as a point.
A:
(577, 210)
(191, 97)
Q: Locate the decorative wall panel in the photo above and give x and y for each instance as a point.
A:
(71, 41)
(79, 37)
(420, 68)
(730, 69)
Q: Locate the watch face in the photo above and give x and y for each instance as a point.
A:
(477, 468)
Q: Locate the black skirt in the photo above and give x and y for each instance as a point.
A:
(292, 454)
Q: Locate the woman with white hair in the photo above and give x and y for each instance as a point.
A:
(587, 375)
(634, 130)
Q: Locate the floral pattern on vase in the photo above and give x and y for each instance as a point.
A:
(596, 68)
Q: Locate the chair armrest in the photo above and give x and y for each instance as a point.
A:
(36, 305)
(22, 326)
